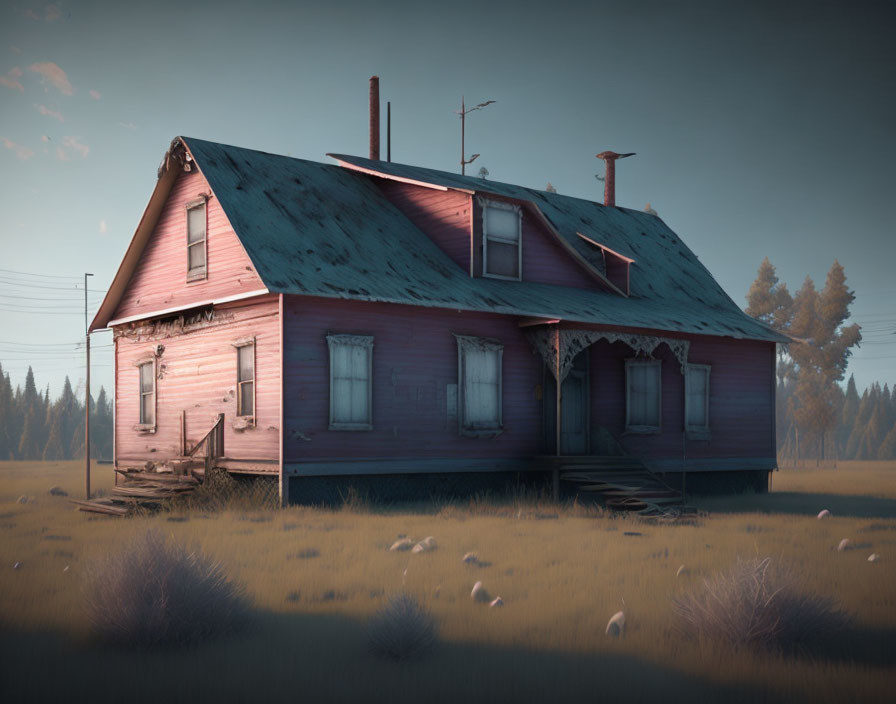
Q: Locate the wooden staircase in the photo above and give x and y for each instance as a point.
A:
(624, 483)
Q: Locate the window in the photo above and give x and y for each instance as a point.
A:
(147, 394)
(479, 385)
(351, 364)
(696, 404)
(196, 240)
(501, 240)
(642, 407)
(245, 379)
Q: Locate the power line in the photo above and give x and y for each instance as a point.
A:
(44, 276)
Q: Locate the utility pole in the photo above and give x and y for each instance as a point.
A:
(87, 394)
(463, 119)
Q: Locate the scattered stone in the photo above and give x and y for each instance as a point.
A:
(471, 558)
(874, 557)
(824, 514)
(66, 568)
(479, 593)
(22, 499)
(17, 565)
(57, 491)
(616, 625)
(424, 545)
(632, 532)
(845, 544)
(402, 545)
(498, 601)
(682, 571)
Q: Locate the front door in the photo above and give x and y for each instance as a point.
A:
(574, 404)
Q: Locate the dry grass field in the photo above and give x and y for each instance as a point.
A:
(316, 575)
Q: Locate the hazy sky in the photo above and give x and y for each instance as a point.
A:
(761, 129)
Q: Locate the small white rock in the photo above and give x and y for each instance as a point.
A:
(497, 602)
(471, 558)
(402, 545)
(845, 544)
(17, 565)
(22, 499)
(66, 568)
(824, 514)
(874, 557)
(429, 542)
(682, 571)
(616, 625)
(479, 593)
(418, 548)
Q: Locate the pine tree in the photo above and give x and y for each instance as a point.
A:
(848, 413)
(887, 450)
(6, 411)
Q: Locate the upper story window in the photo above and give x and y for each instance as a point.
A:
(245, 378)
(696, 400)
(642, 395)
(502, 251)
(479, 383)
(197, 251)
(351, 382)
(147, 412)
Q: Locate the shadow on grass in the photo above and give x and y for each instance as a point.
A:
(800, 504)
(323, 657)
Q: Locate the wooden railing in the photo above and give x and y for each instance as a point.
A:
(213, 441)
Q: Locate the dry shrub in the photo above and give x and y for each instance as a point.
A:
(155, 592)
(401, 630)
(756, 604)
(222, 491)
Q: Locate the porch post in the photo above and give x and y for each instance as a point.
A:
(555, 479)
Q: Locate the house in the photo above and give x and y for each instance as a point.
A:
(375, 318)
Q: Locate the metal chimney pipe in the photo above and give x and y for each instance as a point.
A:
(610, 176)
(375, 117)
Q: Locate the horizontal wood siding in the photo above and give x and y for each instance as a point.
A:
(443, 215)
(198, 374)
(160, 280)
(545, 261)
(414, 361)
(741, 403)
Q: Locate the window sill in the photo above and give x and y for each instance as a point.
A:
(487, 275)
(481, 432)
(351, 426)
(145, 428)
(199, 275)
(700, 434)
(642, 430)
(243, 423)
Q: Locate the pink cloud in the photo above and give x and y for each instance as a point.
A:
(44, 110)
(76, 145)
(11, 79)
(62, 155)
(103, 228)
(54, 75)
(15, 49)
(95, 94)
(20, 151)
(52, 12)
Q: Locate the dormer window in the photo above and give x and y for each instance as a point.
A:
(196, 240)
(502, 251)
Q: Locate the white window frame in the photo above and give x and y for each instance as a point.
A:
(242, 344)
(485, 204)
(696, 429)
(199, 273)
(141, 424)
(366, 341)
(465, 342)
(629, 427)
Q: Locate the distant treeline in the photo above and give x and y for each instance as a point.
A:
(32, 427)
(816, 419)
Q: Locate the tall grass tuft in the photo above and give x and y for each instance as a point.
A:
(154, 592)
(756, 604)
(401, 630)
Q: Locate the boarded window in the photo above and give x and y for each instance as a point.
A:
(479, 384)
(697, 397)
(196, 240)
(351, 367)
(501, 237)
(147, 393)
(642, 395)
(245, 380)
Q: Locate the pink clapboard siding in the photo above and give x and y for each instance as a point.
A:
(160, 280)
(741, 404)
(545, 261)
(443, 215)
(414, 361)
(198, 374)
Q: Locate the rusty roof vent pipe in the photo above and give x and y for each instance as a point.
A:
(375, 117)
(610, 176)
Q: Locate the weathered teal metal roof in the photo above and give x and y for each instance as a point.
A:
(321, 230)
